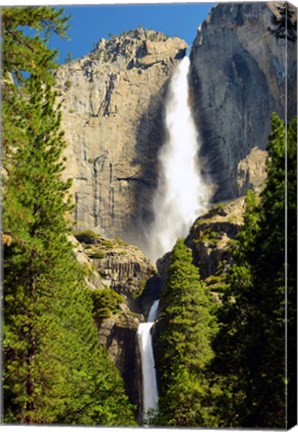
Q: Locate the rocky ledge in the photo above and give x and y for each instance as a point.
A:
(211, 234)
(121, 266)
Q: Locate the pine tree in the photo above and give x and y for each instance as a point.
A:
(54, 369)
(30, 54)
(22, 56)
(184, 346)
(250, 349)
(285, 25)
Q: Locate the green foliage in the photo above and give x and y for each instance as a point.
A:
(86, 236)
(97, 255)
(285, 25)
(22, 53)
(250, 348)
(291, 271)
(107, 243)
(105, 303)
(120, 242)
(184, 346)
(69, 57)
(54, 369)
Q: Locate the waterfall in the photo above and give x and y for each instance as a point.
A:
(181, 195)
(150, 393)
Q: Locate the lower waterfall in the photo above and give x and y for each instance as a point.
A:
(150, 393)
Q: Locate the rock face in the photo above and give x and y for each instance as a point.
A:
(251, 171)
(121, 266)
(112, 265)
(119, 335)
(210, 236)
(112, 109)
(238, 78)
(209, 239)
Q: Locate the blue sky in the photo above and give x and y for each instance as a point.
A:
(90, 23)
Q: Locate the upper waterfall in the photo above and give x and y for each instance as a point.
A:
(182, 194)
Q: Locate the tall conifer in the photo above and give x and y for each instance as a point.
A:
(184, 346)
(251, 347)
(54, 369)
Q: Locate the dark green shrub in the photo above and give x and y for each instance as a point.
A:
(105, 303)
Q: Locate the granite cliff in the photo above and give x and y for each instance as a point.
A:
(112, 105)
(239, 74)
(112, 112)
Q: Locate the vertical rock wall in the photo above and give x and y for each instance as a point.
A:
(112, 108)
(239, 73)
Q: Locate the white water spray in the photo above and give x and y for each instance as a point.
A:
(181, 195)
(150, 393)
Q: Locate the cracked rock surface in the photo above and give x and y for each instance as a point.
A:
(239, 74)
(112, 109)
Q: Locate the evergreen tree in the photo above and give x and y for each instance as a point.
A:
(22, 56)
(285, 25)
(54, 369)
(183, 349)
(291, 275)
(30, 54)
(250, 349)
(69, 57)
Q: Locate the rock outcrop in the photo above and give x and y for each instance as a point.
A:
(113, 266)
(121, 266)
(119, 335)
(239, 73)
(112, 109)
(210, 239)
(211, 234)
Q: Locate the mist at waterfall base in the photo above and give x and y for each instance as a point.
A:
(182, 195)
(150, 392)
